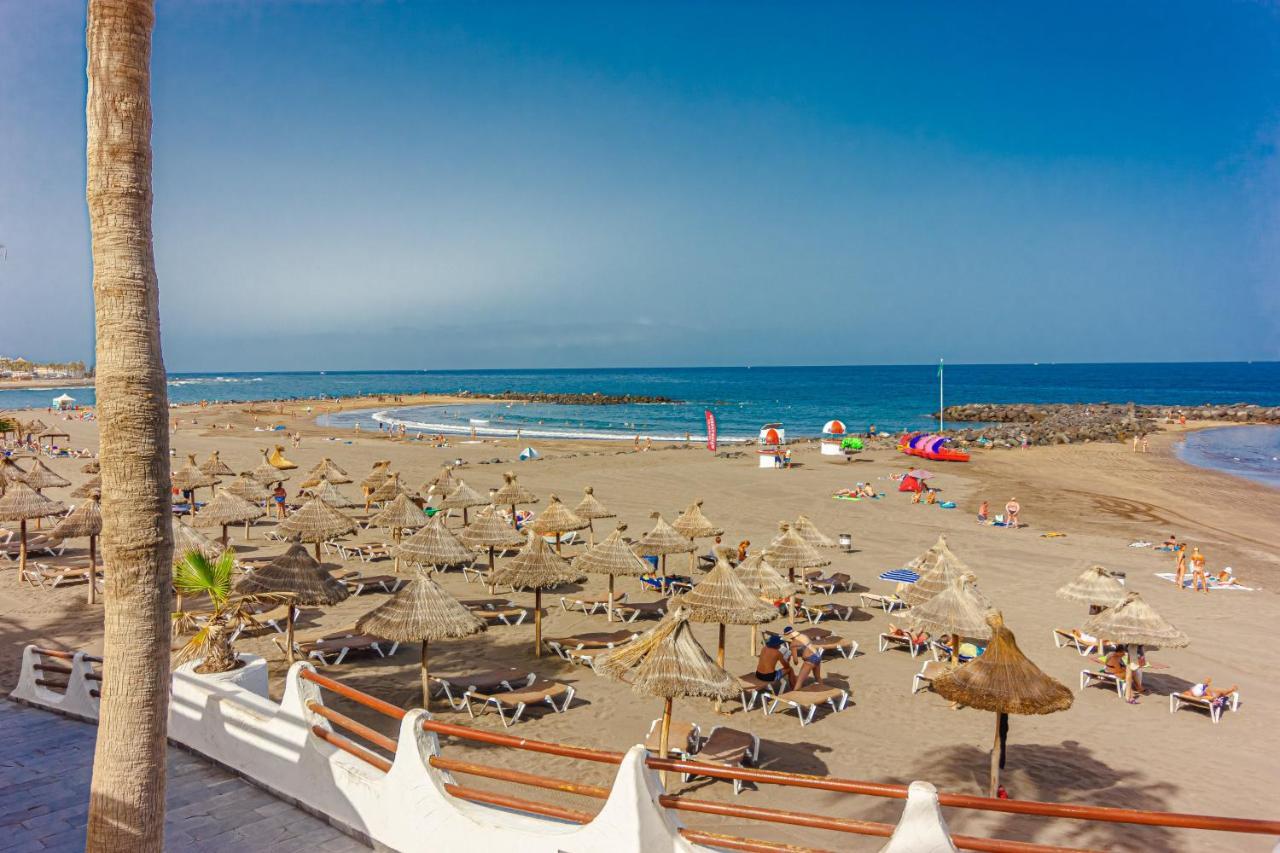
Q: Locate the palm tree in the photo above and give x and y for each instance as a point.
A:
(196, 575)
(126, 797)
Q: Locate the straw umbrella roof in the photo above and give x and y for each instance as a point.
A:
(215, 467)
(1095, 586)
(399, 513)
(692, 524)
(245, 486)
(668, 663)
(537, 566)
(463, 497)
(225, 508)
(762, 578)
(959, 609)
(590, 507)
(557, 518)
(512, 493)
(11, 472)
(187, 538)
(190, 476)
(36, 425)
(663, 539)
(1002, 679)
(84, 520)
(316, 521)
(1133, 622)
(789, 551)
(422, 610)
(945, 570)
(389, 489)
(93, 466)
(810, 533)
(377, 476)
(88, 488)
(268, 474)
(490, 529)
(612, 556)
(21, 502)
(331, 495)
(326, 469)
(434, 545)
(722, 597)
(41, 476)
(442, 482)
(929, 557)
(298, 573)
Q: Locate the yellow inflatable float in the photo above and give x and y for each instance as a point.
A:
(277, 460)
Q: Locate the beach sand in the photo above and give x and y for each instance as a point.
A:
(1101, 751)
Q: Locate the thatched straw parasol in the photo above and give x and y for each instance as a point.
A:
(434, 545)
(536, 567)
(790, 551)
(490, 530)
(22, 503)
(556, 519)
(268, 474)
(929, 557)
(611, 557)
(316, 522)
(397, 515)
(89, 488)
(246, 487)
(295, 572)
(663, 540)
(1004, 681)
(326, 469)
(215, 467)
(721, 597)
(420, 612)
(331, 495)
(463, 497)
(1134, 623)
(441, 484)
(692, 524)
(940, 574)
(226, 509)
(590, 508)
(36, 426)
(810, 533)
(84, 521)
(959, 610)
(512, 494)
(186, 538)
(91, 467)
(387, 491)
(1096, 587)
(40, 476)
(189, 477)
(376, 477)
(764, 580)
(10, 472)
(667, 663)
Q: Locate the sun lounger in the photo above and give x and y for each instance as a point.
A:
(668, 584)
(1090, 677)
(814, 581)
(830, 643)
(338, 645)
(924, 678)
(37, 544)
(482, 682)
(805, 701)
(590, 604)
(1214, 707)
(497, 610)
(357, 583)
(514, 702)
(730, 747)
(631, 611)
(887, 603)
(567, 538)
(570, 648)
(1082, 643)
(942, 651)
(274, 618)
(683, 738)
(51, 577)
(898, 641)
(751, 688)
(815, 613)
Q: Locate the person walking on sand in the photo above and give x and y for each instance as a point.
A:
(1011, 511)
(1199, 580)
(1024, 440)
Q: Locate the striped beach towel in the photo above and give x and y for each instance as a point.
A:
(899, 576)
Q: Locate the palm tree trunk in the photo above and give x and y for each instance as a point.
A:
(426, 682)
(126, 798)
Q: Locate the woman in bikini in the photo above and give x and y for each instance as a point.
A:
(809, 655)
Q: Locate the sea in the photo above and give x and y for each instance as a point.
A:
(742, 399)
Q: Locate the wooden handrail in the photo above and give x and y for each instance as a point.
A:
(55, 653)
(357, 696)
(373, 736)
(52, 667)
(517, 804)
(44, 682)
(351, 747)
(602, 756)
(520, 778)
(750, 845)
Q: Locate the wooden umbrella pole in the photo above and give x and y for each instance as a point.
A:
(995, 758)
(537, 623)
(591, 532)
(224, 535)
(665, 736)
(246, 530)
(426, 683)
(464, 516)
(22, 549)
(395, 537)
(751, 629)
(557, 542)
(288, 634)
(1131, 658)
(720, 650)
(317, 550)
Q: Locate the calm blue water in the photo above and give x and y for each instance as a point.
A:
(1247, 451)
(803, 398)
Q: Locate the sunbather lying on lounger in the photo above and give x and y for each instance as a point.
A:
(918, 639)
(1206, 690)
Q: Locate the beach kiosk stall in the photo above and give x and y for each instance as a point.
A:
(63, 402)
(833, 433)
(772, 450)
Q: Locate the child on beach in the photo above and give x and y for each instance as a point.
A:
(983, 512)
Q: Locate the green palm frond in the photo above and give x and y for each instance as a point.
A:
(195, 574)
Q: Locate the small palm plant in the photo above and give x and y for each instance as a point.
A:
(196, 576)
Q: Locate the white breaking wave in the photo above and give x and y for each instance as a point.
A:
(214, 380)
(509, 432)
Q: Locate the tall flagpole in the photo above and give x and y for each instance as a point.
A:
(942, 425)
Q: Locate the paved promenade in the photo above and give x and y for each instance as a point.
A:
(45, 763)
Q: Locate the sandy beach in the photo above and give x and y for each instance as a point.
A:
(1102, 496)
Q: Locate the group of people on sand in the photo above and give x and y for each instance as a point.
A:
(1196, 561)
(790, 655)
(1012, 513)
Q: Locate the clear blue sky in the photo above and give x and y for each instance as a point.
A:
(364, 185)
